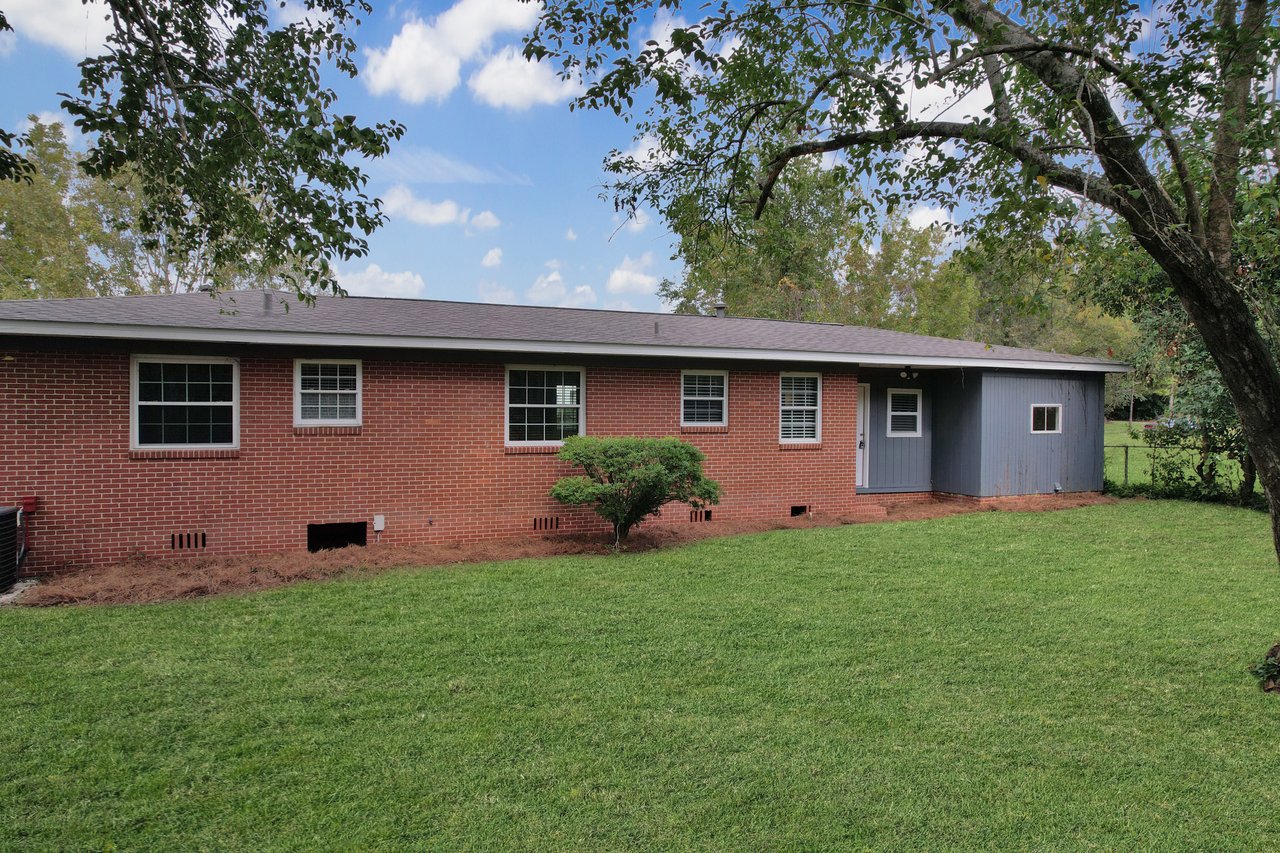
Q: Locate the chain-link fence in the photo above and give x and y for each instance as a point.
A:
(1183, 471)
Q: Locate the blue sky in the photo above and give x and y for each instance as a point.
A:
(494, 191)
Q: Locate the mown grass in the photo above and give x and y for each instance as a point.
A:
(1054, 680)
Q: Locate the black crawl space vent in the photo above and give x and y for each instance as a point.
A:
(342, 534)
(546, 522)
(188, 540)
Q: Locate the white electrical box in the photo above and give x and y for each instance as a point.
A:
(379, 523)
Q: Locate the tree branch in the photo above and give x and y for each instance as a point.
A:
(999, 95)
(1161, 121)
(1073, 180)
(886, 97)
(1238, 60)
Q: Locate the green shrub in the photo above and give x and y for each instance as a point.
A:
(628, 479)
(1268, 671)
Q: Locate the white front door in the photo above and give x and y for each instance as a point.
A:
(864, 415)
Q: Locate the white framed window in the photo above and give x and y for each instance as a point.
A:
(327, 392)
(544, 404)
(184, 402)
(1046, 418)
(800, 407)
(905, 413)
(704, 398)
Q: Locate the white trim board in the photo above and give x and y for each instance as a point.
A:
(180, 334)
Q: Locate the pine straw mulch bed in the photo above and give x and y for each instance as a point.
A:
(151, 580)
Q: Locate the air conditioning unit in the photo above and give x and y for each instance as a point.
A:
(13, 545)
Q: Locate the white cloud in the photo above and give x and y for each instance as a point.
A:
(417, 65)
(664, 23)
(553, 264)
(509, 81)
(550, 289)
(416, 164)
(492, 258)
(77, 29)
(638, 221)
(647, 152)
(730, 46)
(927, 216)
(400, 201)
(375, 281)
(289, 12)
(936, 101)
(424, 60)
(492, 292)
(8, 41)
(485, 220)
(630, 276)
(571, 235)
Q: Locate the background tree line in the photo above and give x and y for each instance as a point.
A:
(65, 232)
(807, 257)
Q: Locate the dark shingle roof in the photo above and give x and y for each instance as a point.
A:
(268, 316)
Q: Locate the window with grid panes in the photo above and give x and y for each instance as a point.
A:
(704, 398)
(328, 393)
(544, 405)
(184, 403)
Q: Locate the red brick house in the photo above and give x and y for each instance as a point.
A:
(166, 425)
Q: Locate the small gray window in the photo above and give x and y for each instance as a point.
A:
(1046, 418)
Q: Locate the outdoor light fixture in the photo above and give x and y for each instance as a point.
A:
(908, 373)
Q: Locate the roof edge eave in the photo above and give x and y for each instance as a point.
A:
(180, 334)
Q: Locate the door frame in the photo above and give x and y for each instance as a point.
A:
(863, 436)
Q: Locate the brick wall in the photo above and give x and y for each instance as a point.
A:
(429, 456)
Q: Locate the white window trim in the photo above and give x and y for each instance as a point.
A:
(724, 421)
(184, 359)
(506, 403)
(817, 437)
(889, 413)
(297, 393)
(1032, 420)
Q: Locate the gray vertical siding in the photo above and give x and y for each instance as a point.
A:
(1017, 462)
(897, 464)
(957, 434)
(977, 437)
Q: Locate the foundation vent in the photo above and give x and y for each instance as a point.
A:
(188, 540)
(343, 534)
(547, 522)
(699, 515)
(799, 510)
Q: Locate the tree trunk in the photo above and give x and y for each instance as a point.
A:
(1200, 271)
(1231, 335)
(1248, 478)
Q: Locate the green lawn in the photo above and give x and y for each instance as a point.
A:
(1051, 681)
